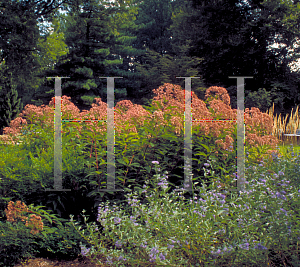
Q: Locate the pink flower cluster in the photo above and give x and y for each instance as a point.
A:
(14, 213)
(257, 123)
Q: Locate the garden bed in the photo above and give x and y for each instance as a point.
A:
(78, 262)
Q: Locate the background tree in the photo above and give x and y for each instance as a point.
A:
(281, 21)
(19, 36)
(51, 48)
(160, 63)
(149, 43)
(10, 105)
(96, 36)
(233, 39)
(21, 45)
(123, 23)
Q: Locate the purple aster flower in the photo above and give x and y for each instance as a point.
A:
(118, 244)
(260, 247)
(170, 246)
(162, 257)
(244, 246)
(117, 220)
(121, 258)
(84, 251)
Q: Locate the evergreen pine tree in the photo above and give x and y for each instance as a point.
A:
(95, 44)
(122, 23)
(162, 61)
(10, 105)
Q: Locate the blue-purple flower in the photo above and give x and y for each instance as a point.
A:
(117, 220)
(260, 247)
(84, 250)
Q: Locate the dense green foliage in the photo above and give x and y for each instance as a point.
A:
(56, 240)
(234, 38)
(149, 43)
(10, 105)
(63, 241)
(34, 172)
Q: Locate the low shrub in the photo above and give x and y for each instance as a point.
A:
(16, 243)
(25, 234)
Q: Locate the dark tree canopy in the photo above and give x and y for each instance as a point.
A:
(150, 43)
(234, 39)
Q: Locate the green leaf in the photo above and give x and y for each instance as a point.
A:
(148, 168)
(123, 161)
(206, 147)
(201, 154)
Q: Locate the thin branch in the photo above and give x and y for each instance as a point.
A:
(45, 12)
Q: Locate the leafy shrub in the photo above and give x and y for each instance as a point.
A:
(16, 243)
(63, 242)
(35, 237)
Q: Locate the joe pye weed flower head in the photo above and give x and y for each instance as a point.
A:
(213, 225)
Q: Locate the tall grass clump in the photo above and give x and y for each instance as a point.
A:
(281, 126)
